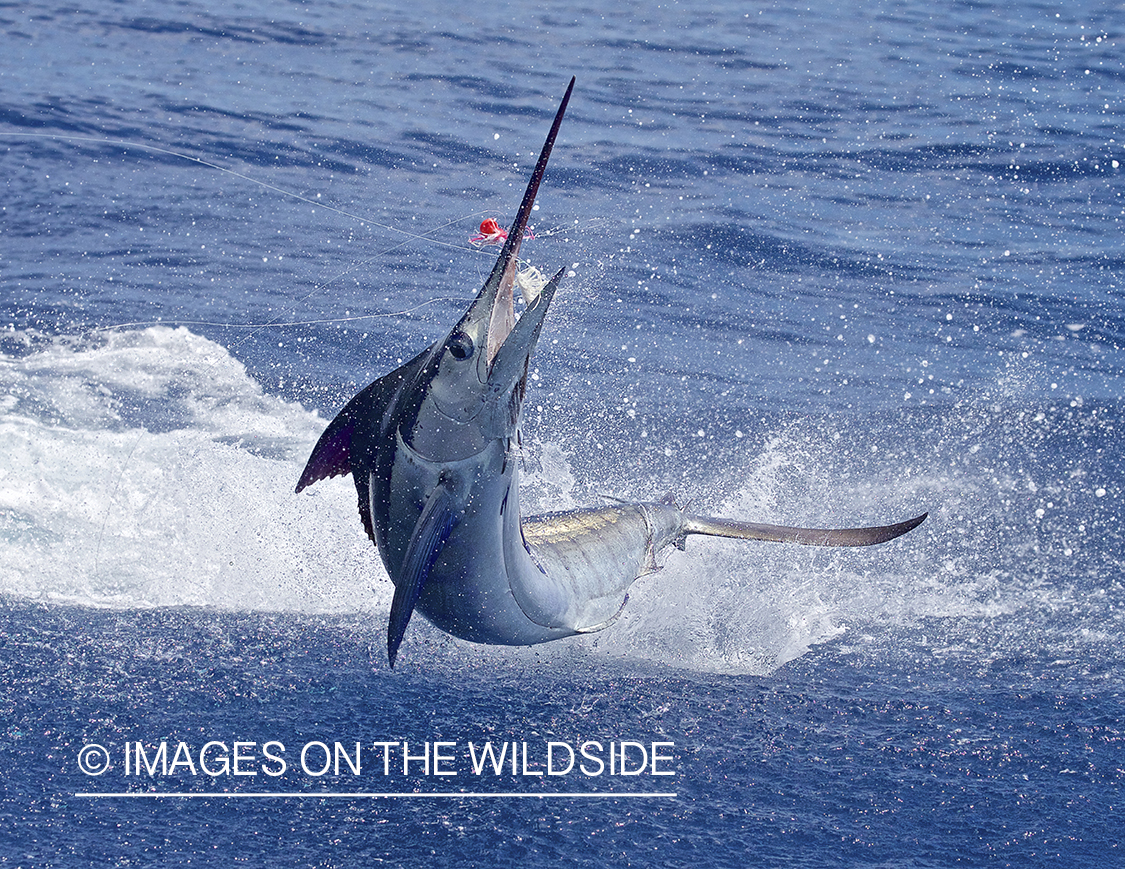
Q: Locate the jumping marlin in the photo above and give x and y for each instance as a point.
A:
(432, 448)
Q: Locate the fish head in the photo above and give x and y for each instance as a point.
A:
(470, 391)
(475, 380)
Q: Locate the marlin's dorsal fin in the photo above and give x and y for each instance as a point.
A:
(332, 455)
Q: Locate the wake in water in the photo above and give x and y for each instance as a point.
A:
(149, 469)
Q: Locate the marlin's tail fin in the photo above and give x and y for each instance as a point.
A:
(805, 536)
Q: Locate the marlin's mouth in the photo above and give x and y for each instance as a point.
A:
(496, 300)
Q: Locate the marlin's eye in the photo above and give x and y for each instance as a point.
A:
(460, 345)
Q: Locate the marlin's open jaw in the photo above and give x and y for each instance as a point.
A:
(477, 374)
(430, 449)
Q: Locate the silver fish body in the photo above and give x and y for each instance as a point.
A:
(431, 448)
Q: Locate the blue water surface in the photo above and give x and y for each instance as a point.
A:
(829, 267)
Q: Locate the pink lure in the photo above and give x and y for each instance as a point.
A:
(492, 232)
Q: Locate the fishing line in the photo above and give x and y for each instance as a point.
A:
(351, 319)
(156, 149)
(319, 287)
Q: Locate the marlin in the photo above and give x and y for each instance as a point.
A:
(433, 450)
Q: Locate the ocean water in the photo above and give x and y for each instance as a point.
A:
(830, 267)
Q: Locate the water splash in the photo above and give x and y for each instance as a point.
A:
(148, 469)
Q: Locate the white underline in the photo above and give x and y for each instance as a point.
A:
(368, 795)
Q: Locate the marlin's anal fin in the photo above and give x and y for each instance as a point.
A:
(434, 525)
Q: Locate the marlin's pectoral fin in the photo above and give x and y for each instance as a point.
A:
(806, 536)
(439, 515)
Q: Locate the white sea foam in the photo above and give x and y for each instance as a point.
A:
(148, 469)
